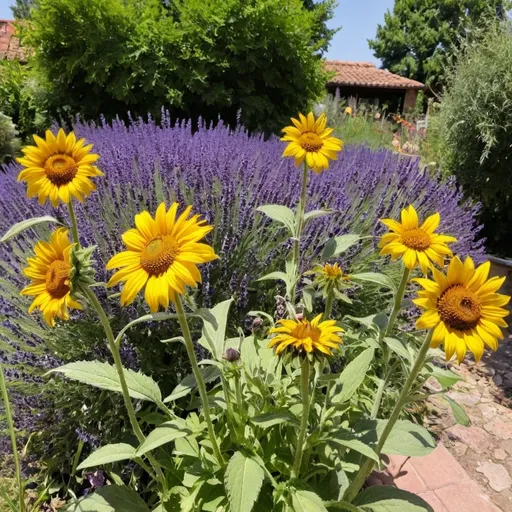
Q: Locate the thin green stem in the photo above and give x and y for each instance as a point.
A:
(368, 466)
(93, 300)
(12, 433)
(328, 304)
(397, 303)
(380, 391)
(76, 458)
(300, 225)
(74, 225)
(304, 389)
(189, 345)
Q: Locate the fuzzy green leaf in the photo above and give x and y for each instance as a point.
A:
(214, 335)
(382, 498)
(315, 214)
(188, 384)
(26, 224)
(281, 214)
(445, 377)
(163, 434)
(374, 277)
(243, 481)
(104, 376)
(108, 454)
(459, 412)
(307, 501)
(352, 443)
(398, 348)
(271, 419)
(352, 377)
(111, 498)
(338, 244)
(278, 276)
(406, 438)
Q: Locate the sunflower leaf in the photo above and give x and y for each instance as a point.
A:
(26, 224)
(107, 454)
(111, 498)
(104, 376)
(338, 244)
(281, 214)
(243, 481)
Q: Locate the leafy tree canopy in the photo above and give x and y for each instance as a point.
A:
(258, 60)
(419, 36)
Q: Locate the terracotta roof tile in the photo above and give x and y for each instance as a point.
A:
(10, 48)
(365, 74)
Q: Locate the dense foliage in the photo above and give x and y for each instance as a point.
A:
(475, 124)
(9, 143)
(418, 37)
(252, 61)
(226, 175)
(23, 99)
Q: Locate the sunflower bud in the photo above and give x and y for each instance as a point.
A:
(82, 270)
(232, 355)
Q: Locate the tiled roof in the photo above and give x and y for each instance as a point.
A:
(10, 48)
(365, 74)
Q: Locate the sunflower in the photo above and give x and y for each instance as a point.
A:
(305, 335)
(162, 256)
(463, 308)
(310, 140)
(415, 243)
(58, 168)
(50, 275)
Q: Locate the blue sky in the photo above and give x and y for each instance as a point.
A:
(358, 20)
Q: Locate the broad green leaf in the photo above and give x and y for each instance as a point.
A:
(280, 213)
(188, 384)
(271, 419)
(352, 443)
(111, 498)
(383, 498)
(163, 434)
(24, 225)
(104, 376)
(307, 501)
(343, 505)
(406, 438)
(458, 412)
(338, 244)
(374, 277)
(107, 454)
(445, 377)
(308, 295)
(243, 480)
(398, 348)
(213, 336)
(315, 214)
(352, 377)
(278, 276)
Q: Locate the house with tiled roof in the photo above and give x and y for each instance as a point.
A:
(363, 82)
(10, 48)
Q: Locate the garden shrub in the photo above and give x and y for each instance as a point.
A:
(226, 175)
(9, 142)
(476, 124)
(254, 62)
(23, 99)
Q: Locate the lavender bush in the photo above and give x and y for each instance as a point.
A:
(226, 175)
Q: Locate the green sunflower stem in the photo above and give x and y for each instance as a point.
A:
(396, 305)
(93, 300)
(304, 389)
(12, 434)
(328, 304)
(368, 466)
(189, 345)
(300, 225)
(74, 225)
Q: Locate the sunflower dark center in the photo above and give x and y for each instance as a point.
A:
(310, 142)
(416, 239)
(305, 330)
(57, 279)
(159, 255)
(60, 169)
(459, 308)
